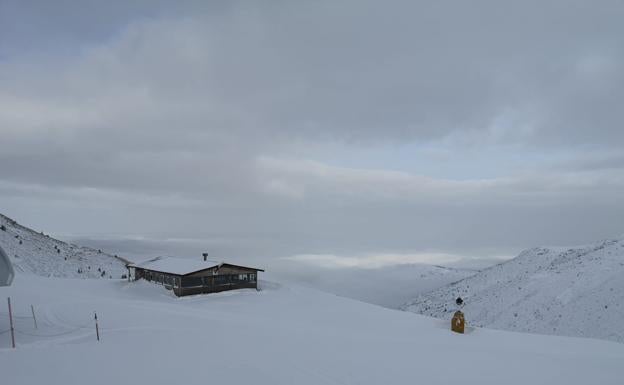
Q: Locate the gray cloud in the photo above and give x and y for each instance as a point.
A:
(227, 120)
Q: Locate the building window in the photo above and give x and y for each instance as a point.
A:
(192, 282)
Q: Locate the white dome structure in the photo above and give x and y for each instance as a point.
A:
(6, 269)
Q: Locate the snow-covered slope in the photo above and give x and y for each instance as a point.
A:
(573, 292)
(280, 335)
(35, 253)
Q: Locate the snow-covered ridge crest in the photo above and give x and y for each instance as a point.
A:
(35, 253)
(564, 291)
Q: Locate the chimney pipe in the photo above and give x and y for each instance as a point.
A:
(205, 255)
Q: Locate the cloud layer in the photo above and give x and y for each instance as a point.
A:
(320, 127)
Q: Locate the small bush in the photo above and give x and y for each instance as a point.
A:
(3, 227)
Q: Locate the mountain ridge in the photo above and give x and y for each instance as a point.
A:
(33, 252)
(575, 291)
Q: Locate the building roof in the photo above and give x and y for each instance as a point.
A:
(180, 266)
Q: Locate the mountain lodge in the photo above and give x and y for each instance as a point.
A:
(189, 276)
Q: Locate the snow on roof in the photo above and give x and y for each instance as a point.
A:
(180, 266)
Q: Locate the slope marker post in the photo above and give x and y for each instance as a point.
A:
(97, 328)
(32, 309)
(11, 323)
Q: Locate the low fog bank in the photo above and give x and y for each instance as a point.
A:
(390, 286)
(388, 280)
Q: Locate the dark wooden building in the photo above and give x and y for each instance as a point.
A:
(188, 276)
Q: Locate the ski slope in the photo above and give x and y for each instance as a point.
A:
(565, 291)
(36, 253)
(280, 335)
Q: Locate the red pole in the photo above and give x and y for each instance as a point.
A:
(97, 329)
(11, 322)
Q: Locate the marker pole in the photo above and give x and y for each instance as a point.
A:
(32, 309)
(11, 322)
(97, 329)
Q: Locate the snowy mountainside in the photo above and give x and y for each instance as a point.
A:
(571, 292)
(35, 253)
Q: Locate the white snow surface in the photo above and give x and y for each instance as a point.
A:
(562, 291)
(280, 335)
(175, 265)
(43, 255)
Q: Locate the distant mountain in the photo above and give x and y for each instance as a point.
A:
(572, 292)
(36, 253)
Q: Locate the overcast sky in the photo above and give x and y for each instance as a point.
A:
(359, 131)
